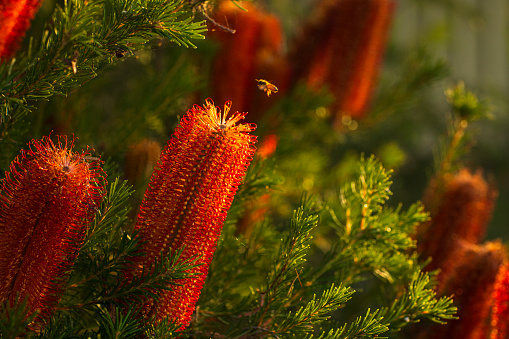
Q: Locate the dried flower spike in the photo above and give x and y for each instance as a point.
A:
(15, 17)
(140, 159)
(188, 197)
(47, 200)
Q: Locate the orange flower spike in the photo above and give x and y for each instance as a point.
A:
(47, 200)
(342, 46)
(15, 17)
(366, 69)
(462, 214)
(500, 308)
(189, 194)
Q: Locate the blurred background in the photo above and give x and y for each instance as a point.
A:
(471, 37)
(143, 97)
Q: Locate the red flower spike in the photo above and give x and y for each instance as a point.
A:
(47, 200)
(15, 17)
(189, 194)
(140, 159)
(341, 47)
(500, 309)
(462, 214)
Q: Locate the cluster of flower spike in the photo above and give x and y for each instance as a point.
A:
(51, 194)
(47, 200)
(474, 272)
(189, 194)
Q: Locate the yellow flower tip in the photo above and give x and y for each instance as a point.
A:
(60, 159)
(220, 122)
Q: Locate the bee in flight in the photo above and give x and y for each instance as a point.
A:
(266, 86)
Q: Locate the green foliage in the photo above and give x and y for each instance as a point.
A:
(119, 325)
(466, 108)
(315, 311)
(318, 272)
(166, 329)
(365, 327)
(280, 284)
(13, 319)
(369, 235)
(418, 301)
(162, 78)
(316, 156)
(261, 178)
(414, 73)
(465, 104)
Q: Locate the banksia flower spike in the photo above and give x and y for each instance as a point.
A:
(189, 194)
(48, 198)
(472, 283)
(15, 17)
(462, 214)
(341, 46)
